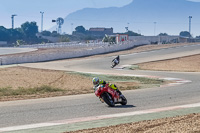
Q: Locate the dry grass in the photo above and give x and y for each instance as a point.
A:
(28, 80)
(23, 77)
(24, 83)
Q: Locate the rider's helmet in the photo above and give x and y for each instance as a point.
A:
(95, 81)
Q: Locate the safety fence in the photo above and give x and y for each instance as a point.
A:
(101, 49)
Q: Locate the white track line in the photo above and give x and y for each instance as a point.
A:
(68, 121)
(84, 119)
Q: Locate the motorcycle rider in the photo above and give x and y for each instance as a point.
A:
(97, 82)
(116, 60)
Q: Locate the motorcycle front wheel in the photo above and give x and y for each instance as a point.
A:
(124, 101)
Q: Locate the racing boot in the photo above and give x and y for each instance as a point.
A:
(100, 99)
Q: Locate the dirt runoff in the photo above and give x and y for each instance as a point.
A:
(180, 124)
(186, 64)
(18, 76)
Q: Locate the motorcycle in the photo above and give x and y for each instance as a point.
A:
(115, 62)
(109, 96)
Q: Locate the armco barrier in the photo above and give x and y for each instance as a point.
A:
(31, 58)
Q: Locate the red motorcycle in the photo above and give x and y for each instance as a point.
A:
(109, 96)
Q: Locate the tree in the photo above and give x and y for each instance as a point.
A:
(185, 34)
(109, 39)
(29, 29)
(163, 34)
(54, 34)
(46, 33)
(198, 37)
(80, 29)
(15, 34)
(64, 38)
(4, 34)
(131, 33)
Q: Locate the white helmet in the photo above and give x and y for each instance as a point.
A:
(95, 81)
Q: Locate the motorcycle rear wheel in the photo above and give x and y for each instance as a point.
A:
(108, 99)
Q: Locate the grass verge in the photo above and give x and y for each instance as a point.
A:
(127, 82)
(28, 91)
(112, 78)
(122, 82)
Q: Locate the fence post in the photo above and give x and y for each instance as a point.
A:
(1, 62)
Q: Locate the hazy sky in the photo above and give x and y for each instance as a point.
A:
(29, 10)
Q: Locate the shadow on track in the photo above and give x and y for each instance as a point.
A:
(124, 106)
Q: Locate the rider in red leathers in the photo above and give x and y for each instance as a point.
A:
(97, 82)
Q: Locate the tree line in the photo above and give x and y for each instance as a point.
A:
(26, 34)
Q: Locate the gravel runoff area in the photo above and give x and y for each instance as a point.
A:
(187, 123)
(180, 124)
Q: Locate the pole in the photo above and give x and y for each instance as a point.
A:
(42, 21)
(190, 17)
(154, 28)
(72, 27)
(12, 17)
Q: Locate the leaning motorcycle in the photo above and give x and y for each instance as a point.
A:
(114, 63)
(109, 96)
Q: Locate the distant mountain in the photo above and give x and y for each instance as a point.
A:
(171, 16)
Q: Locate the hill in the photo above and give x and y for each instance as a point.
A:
(171, 16)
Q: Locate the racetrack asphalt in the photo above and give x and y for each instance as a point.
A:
(72, 107)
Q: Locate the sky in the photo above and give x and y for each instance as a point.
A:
(29, 10)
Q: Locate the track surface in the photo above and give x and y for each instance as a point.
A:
(52, 109)
(11, 50)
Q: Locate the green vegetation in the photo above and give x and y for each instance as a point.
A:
(112, 78)
(133, 67)
(28, 91)
(185, 34)
(163, 34)
(127, 82)
(26, 33)
(109, 39)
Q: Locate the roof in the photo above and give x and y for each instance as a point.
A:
(100, 29)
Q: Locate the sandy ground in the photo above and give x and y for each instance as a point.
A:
(180, 124)
(25, 77)
(186, 64)
(71, 83)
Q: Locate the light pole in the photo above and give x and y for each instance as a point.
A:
(42, 21)
(72, 27)
(154, 28)
(12, 17)
(190, 18)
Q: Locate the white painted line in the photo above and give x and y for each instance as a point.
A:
(31, 126)
(84, 119)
